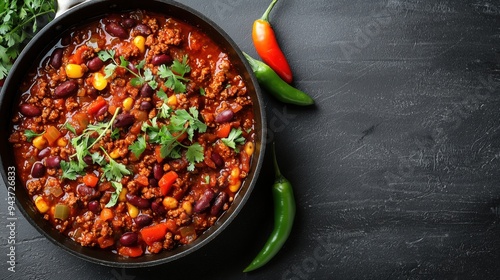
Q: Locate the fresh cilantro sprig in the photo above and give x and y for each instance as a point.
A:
(138, 147)
(138, 80)
(30, 134)
(114, 171)
(19, 22)
(175, 74)
(233, 139)
(114, 196)
(82, 145)
(167, 136)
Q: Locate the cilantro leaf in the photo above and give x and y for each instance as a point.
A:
(202, 92)
(115, 134)
(207, 179)
(16, 18)
(114, 196)
(138, 147)
(71, 169)
(233, 139)
(69, 127)
(162, 95)
(181, 68)
(30, 134)
(164, 111)
(105, 55)
(114, 171)
(194, 155)
(175, 75)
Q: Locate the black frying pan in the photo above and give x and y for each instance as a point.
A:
(39, 46)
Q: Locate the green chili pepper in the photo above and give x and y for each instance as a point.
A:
(284, 214)
(276, 86)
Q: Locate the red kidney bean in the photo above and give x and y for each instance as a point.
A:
(102, 111)
(95, 64)
(30, 110)
(88, 160)
(38, 170)
(143, 220)
(53, 162)
(147, 90)
(84, 190)
(124, 120)
(142, 29)
(132, 68)
(204, 201)
(137, 201)
(219, 203)
(67, 88)
(160, 59)
(153, 182)
(158, 208)
(146, 106)
(94, 206)
(116, 30)
(44, 153)
(224, 116)
(56, 58)
(129, 238)
(217, 159)
(128, 22)
(157, 171)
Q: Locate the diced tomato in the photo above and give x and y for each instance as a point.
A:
(223, 130)
(97, 105)
(77, 57)
(90, 180)
(166, 182)
(153, 233)
(105, 241)
(132, 252)
(142, 180)
(52, 134)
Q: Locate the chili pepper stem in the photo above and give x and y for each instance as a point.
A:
(265, 16)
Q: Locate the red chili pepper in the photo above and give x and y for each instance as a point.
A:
(267, 47)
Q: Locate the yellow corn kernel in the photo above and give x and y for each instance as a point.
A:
(170, 202)
(249, 148)
(122, 197)
(128, 103)
(99, 82)
(235, 173)
(62, 142)
(172, 100)
(115, 154)
(40, 142)
(132, 210)
(74, 71)
(139, 42)
(188, 207)
(235, 187)
(41, 205)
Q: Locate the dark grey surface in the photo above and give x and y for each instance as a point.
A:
(395, 170)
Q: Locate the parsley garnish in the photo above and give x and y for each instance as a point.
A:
(234, 138)
(138, 80)
(114, 196)
(175, 75)
(69, 127)
(138, 146)
(30, 134)
(202, 92)
(181, 121)
(114, 171)
(19, 22)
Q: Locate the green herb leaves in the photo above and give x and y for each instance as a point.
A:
(167, 136)
(17, 18)
(233, 139)
(175, 75)
(30, 134)
(114, 196)
(138, 147)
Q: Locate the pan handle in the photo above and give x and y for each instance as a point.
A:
(64, 5)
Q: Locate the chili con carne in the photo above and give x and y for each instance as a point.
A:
(120, 150)
(264, 40)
